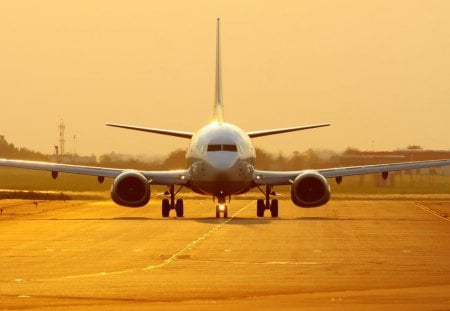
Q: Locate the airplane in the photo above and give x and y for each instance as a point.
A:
(220, 163)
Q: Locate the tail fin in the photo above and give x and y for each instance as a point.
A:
(218, 104)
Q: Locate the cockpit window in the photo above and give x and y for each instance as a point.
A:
(231, 148)
(214, 147)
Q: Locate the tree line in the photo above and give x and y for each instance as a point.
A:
(309, 159)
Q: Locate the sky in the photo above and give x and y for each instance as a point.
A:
(379, 71)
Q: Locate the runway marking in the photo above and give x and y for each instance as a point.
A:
(195, 242)
(426, 209)
(289, 263)
(280, 263)
(171, 259)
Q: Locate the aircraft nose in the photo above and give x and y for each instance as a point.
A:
(222, 161)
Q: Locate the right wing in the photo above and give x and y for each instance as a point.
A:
(175, 177)
(287, 177)
(181, 134)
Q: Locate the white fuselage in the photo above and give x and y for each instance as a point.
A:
(221, 160)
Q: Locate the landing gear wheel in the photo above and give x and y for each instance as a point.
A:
(165, 208)
(274, 208)
(260, 208)
(224, 210)
(179, 208)
(267, 203)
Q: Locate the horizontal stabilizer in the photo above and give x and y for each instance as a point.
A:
(181, 134)
(284, 130)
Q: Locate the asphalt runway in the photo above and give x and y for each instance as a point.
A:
(347, 255)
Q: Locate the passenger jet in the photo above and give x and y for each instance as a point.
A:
(220, 164)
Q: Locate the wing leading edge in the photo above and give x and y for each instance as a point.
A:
(175, 177)
(286, 177)
(181, 134)
(255, 134)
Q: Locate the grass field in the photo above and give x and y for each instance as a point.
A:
(72, 185)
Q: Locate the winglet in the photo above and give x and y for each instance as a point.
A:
(218, 103)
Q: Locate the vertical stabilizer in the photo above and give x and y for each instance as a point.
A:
(218, 104)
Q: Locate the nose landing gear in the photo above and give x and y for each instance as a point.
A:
(221, 208)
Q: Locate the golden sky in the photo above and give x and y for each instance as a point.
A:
(379, 71)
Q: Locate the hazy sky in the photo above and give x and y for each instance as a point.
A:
(379, 71)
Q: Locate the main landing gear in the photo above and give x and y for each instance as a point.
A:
(262, 205)
(169, 204)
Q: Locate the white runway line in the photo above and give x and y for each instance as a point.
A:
(171, 258)
(195, 242)
(426, 209)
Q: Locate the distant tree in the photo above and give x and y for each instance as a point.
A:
(312, 159)
(297, 161)
(125, 161)
(175, 160)
(351, 150)
(264, 160)
(8, 150)
(414, 147)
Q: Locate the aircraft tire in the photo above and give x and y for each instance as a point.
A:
(165, 208)
(217, 211)
(274, 208)
(260, 208)
(179, 208)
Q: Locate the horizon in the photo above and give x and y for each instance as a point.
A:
(324, 152)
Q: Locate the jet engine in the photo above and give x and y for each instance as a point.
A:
(130, 189)
(310, 189)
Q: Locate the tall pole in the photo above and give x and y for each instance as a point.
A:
(74, 145)
(62, 141)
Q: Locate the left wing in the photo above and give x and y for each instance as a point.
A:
(286, 177)
(176, 177)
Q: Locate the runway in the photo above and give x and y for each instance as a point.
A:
(347, 255)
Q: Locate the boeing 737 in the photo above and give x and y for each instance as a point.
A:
(220, 163)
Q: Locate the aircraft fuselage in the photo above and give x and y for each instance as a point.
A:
(221, 160)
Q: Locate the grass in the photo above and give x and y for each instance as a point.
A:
(31, 184)
(21, 179)
(395, 184)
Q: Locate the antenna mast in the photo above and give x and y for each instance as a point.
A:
(62, 128)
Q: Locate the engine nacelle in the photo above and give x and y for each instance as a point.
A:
(310, 189)
(130, 189)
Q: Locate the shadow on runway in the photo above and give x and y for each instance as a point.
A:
(315, 218)
(213, 220)
(133, 218)
(208, 220)
(258, 221)
(234, 221)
